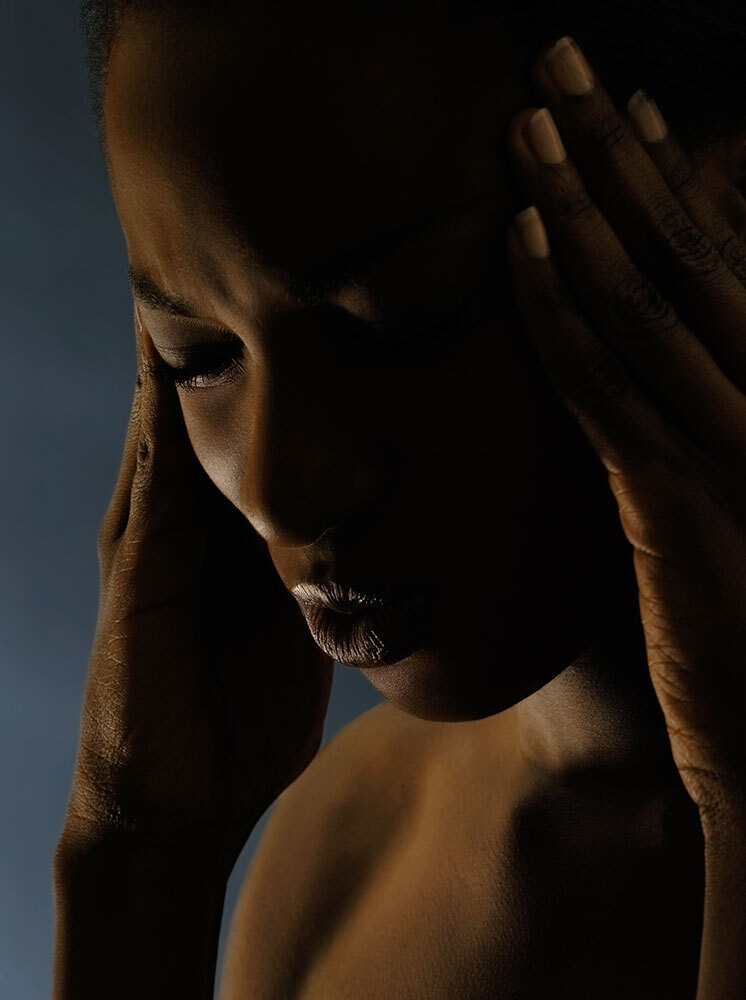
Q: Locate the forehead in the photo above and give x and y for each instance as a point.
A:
(304, 132)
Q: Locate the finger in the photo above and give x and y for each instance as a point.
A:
(169, 481)
(639, 324)
(672, 230)
(117, 513)
(683, 180)
(622, 423)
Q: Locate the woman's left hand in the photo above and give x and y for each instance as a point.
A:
(638, 313)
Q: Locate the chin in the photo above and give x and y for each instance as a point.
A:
(482, 663)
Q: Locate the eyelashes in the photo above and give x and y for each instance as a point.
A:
(227, 370)
(371, 342)
(224, 371)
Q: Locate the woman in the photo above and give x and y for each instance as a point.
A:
(506, 486)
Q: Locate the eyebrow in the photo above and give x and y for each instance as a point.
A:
(313, 285)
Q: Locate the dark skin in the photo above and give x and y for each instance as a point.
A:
(539, 644)
(394, 449)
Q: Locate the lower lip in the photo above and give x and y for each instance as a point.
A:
(373, 637)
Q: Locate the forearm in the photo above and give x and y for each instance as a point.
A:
(722, 962)
(131, 923)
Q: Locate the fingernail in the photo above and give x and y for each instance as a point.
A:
(532, 232)
(569, 68)
(645, 114)
(545, 138)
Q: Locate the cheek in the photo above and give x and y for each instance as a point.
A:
(484, 421)
(222, 455)
(518, 489)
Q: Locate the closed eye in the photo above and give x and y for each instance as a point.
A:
(223, 371)
(402, 340)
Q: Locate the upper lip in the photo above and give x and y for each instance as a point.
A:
(345, 598)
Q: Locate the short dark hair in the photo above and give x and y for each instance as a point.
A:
(687, 54)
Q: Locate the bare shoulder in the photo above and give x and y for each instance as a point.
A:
(323, 842)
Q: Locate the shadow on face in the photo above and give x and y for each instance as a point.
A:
(328, 200)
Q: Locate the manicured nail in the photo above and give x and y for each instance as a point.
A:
(569, 68)
(645, 114)
(532, 232)
(545, 138)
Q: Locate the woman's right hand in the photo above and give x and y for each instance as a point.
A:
(206, 695)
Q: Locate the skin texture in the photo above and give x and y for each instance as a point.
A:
(239, 155)
(460, 467)
(232, 141)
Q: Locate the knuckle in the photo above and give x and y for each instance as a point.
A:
(571, 198)
(112, 528)
(694, 252)
(106, 554)
(639, 307)
(106, 530)
(609, 131)
(733, 251)
(681, 177)
(105, 543)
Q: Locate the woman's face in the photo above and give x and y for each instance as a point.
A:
(247, 157)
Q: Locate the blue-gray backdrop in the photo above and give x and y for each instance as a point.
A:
(68, 376)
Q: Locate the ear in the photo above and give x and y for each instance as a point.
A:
(722, 170)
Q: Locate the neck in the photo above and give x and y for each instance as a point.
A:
(600, 717)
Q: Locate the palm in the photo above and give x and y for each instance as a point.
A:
(634, 295)
(689, 554)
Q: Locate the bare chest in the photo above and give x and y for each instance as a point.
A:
(567, 905)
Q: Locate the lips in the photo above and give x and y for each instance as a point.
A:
(365, 636)
(346, 599)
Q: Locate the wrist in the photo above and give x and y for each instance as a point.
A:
(92, 818)
(156, 853)
(135, 919)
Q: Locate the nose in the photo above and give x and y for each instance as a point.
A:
(314, 459)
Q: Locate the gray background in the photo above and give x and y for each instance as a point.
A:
(68, 374)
